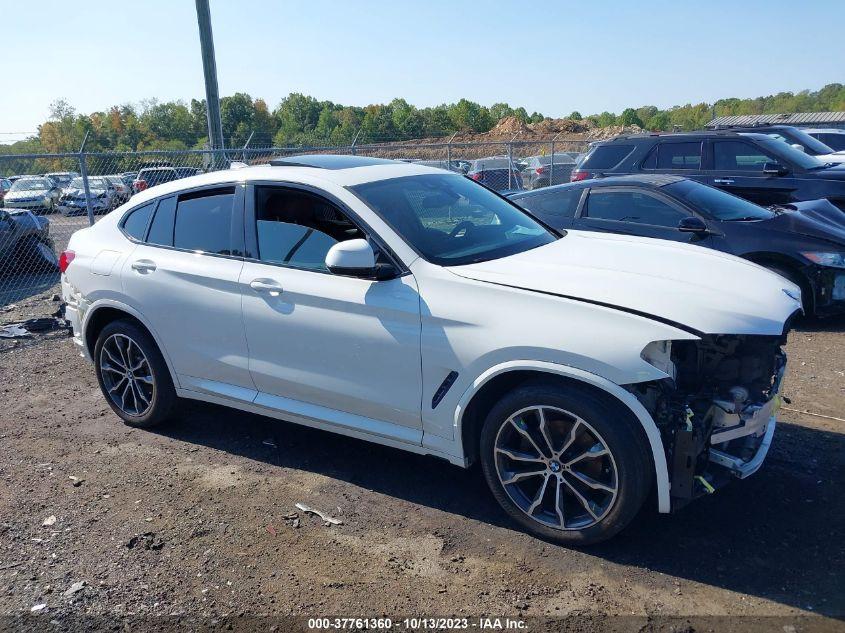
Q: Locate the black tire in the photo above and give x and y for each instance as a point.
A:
(162, 395)
(807, 299)
(33, 255)
(618, 429)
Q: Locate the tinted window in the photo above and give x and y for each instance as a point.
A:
(679, 155)
(204, 222)
(736, 155)
(298, 229)
(161, 230)
(606, 156)
(135, 224)
(553, 205)
(451, 220)
(717, 203)
(835, 141)
(631, 206)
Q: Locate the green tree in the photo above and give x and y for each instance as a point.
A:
(629, 117)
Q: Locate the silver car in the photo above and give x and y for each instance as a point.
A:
(35, 193)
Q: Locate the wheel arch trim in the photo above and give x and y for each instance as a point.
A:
(99, 304)
(661, 471)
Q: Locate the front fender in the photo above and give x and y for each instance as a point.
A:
(661, 472)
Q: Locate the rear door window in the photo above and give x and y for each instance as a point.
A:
(631, 206)
(204, 221)
(606, 156)
(161, 230)
(739, 155)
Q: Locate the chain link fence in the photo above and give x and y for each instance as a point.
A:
(47, 197)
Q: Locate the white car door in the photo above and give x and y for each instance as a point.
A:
(184, 279)
(327, 347)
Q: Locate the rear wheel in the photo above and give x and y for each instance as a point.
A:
(567, 465)
(133, 374)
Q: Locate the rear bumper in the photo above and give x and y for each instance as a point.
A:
(74, 315)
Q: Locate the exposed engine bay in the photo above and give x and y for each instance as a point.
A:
(716, 411)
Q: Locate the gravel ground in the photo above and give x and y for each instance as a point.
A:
(197, 519)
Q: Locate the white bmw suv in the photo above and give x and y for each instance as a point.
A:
(412, 307)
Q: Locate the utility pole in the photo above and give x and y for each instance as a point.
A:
(209, 67)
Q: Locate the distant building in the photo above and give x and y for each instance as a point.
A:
(798, 119)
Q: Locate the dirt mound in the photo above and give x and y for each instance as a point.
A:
(509, 125)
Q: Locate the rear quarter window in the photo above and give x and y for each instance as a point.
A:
(135, 223)
(606, 156)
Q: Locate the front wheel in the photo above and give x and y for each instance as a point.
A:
(566, 464)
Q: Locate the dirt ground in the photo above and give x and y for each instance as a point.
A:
(196, 519)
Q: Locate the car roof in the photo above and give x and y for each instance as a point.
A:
(299, 169)
(645, 180)
(733, 133)
(826, 130)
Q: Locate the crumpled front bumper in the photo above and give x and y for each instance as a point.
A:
(743, 468)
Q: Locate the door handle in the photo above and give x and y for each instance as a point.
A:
(144, 265)
(723, 181)
(266, 285)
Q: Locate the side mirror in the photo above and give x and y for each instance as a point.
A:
(355, 258)
(774, 169)
(692, 224)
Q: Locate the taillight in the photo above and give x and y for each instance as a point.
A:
(475, 176)
(65, 259)
(579, 174)
(542, 170)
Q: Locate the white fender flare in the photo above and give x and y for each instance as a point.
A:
(117, 305)
(661, 472)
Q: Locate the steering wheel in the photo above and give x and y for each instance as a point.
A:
(466, 225)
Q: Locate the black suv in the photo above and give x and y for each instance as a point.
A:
(752, 165)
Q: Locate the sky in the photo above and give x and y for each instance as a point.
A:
(553, 57)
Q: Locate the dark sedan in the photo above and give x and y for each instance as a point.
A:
(804, 242)
(25, 243)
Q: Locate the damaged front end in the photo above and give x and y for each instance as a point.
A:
(716, 411)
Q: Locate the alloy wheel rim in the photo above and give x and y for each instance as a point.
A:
(127, 375)
(556, 468)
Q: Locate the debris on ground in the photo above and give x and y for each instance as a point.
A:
(271, 530)
(38, 607)
(75, 588)
(50, 520)
(76, 481)
(147, 540)
(14, 331)
(329, 520)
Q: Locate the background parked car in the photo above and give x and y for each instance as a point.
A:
(496, 172)
(5, 185)
(25, 244)
(541, 171)
(36, 193)
(753, 166)
(832, 137)
(152, 176)
(123, 191)
(62, 178)
(104, 197)
(799, 139)
(186, 172)
(804, 243)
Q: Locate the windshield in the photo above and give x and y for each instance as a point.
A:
(450, 220)
(716, 203)
(795, 135)
(31, 184)
(789, 153)
(93, 183)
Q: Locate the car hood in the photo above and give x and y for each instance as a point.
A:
(811, 218)
(24, 195)
(837, 172)
(836, 157)
(692, 287)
